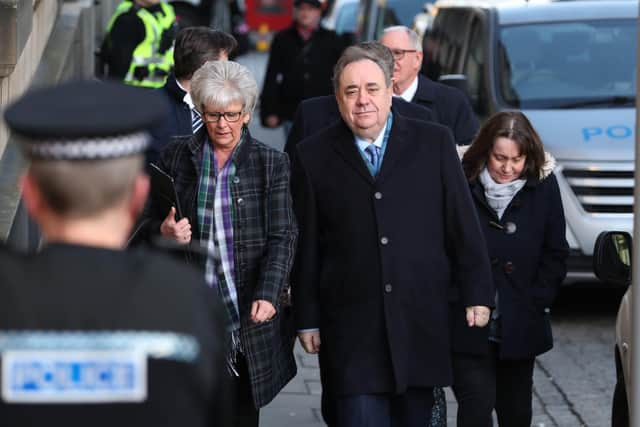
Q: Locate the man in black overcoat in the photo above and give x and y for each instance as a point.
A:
(450, 105)
(386, 224)
(91, 334)
(312, 116)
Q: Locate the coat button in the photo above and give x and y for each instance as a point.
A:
(388, 288)
(377, 195)
(240, 201)
(509, 267)
(236, 180)
(384, 240)
(510, 227)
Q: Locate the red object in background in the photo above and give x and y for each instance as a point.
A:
(275, 14)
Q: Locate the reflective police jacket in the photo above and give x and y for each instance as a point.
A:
(138, 47)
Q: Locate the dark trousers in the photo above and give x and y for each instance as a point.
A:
(245, 413)
(328, 401)
(411, 409)
(484, 383)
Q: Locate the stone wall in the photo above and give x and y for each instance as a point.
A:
(42, 42)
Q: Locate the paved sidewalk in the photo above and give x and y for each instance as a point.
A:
(299, 403)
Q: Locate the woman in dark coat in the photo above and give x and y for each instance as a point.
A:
(234, 195)
(519, 207)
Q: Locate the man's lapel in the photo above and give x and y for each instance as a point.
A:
(425, 94)
(399, 148)
(344, 144)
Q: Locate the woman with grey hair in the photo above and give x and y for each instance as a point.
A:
(234, 196)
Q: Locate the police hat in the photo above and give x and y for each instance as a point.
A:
(314, 3)
(85, 120)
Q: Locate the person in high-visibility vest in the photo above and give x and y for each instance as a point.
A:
(138, 46)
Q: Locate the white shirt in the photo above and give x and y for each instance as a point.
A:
(187, 97)
(408, 94)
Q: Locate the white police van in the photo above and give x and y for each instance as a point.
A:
(571, 67)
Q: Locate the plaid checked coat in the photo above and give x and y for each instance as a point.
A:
(264, 237)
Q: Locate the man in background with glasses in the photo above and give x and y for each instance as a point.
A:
(449, 105)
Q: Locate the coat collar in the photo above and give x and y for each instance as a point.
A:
(398, 147)
(426, 90)
(196, 142)
(172, 88)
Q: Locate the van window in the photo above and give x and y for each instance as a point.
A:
(444, 43)
(568, 64)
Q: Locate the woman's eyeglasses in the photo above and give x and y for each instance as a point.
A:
(214, 117)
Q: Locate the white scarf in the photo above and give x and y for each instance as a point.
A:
(499, 195)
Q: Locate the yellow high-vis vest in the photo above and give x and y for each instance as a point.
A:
(152, 59)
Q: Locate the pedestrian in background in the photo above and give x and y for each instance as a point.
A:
(518, 201)
(300, 65)
(449, 105)
(138, 45)
(92, 335)
(234, 194)
(194, 46)
(371, 286)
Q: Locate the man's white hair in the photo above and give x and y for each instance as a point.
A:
(413, 36)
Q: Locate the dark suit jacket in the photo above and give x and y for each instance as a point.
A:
(376, 256)
(450, 107)
(317, 113)
(177, 122)
(528, 268)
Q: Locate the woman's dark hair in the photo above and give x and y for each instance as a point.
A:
(509, 124)
(197, 45)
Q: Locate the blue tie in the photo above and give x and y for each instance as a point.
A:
(196, 120)
(373, 151)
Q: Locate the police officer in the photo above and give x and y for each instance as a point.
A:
(91, 334)
(138, 46)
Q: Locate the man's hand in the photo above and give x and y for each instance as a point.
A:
(478, 316)
(261, 311)
(310, 341)
(179, 231)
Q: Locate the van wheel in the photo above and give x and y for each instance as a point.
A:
(619, 410)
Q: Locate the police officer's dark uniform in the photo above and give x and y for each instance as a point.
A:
(138, 45)
(91, 336)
